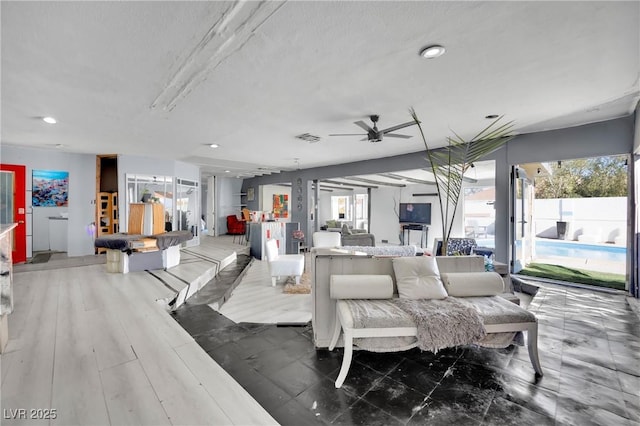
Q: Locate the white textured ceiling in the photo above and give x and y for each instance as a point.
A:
(165, 79)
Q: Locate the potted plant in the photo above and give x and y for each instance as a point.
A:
(146, 195)
(450, 163)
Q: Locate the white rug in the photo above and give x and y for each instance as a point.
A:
(255, 300)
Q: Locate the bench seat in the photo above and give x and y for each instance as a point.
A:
(381, 318)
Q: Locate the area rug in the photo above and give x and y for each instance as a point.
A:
(290, 286)
(41, 258)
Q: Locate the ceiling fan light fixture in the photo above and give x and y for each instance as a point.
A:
(433, 51)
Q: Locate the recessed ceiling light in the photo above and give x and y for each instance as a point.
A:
(491, 116)
(59, 145)
(214, 145)
(49, 120)
(227, 171)
(431, 52)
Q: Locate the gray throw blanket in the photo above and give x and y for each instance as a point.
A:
(443, 323)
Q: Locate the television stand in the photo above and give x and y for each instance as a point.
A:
(408, 227)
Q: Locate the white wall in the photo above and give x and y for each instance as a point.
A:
(82, 192)
(385, 224)
(603, 219)
(228, 201)
(266, 198)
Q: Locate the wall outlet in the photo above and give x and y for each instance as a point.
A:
(385, 241)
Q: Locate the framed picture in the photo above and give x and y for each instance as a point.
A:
(50, 188)
(281, 205)
(250, 194)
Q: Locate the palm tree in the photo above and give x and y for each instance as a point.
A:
(450, 163)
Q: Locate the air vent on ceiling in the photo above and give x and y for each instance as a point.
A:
(309, 137)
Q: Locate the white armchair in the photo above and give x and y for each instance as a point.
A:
(283, 264)
(326, 239)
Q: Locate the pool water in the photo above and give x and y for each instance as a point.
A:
(586, 251)
(560, 248)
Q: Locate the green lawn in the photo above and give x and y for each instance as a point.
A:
(581, 276)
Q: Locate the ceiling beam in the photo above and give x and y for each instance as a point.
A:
(288, 185)
(335, 182)
(375, 182)
(346, 188)
(407, 179)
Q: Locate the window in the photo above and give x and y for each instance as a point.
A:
(362, 211)
(351, 209)
(341, 208)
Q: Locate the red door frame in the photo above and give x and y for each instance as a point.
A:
(19, 251)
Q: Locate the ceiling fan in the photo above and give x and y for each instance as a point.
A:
(375, 135)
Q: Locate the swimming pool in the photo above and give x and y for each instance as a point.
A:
(586, 251)
(560, 248)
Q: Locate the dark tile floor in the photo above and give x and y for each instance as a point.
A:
(589, 345)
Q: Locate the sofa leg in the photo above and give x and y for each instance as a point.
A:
(273, 281)
(346, 359)
(532, 345)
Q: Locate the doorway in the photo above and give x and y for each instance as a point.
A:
(13, 207)
(522, 218)
(570, 221)
(107, 214)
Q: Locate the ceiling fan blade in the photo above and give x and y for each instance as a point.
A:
(395, 135)
(348, 134)
(398, 127)
(363, 126)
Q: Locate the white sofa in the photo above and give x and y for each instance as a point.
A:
(347, 285)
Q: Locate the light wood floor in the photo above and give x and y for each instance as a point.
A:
(256, 300)
(98, 349)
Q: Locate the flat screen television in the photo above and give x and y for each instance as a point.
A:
(415, 213)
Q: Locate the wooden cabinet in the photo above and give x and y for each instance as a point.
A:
(146, 218)
(107, 215)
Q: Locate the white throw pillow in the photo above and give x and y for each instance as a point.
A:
(418, 278)
(472, 284)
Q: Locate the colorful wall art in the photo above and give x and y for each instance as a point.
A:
(280, 205)
(50, 188)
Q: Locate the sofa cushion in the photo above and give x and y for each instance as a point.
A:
(326, 239)
(345, 229)
(418, 277)
(470, 284)
(361, 287)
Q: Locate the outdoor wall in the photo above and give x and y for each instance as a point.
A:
(602, 219)
(82, 193)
